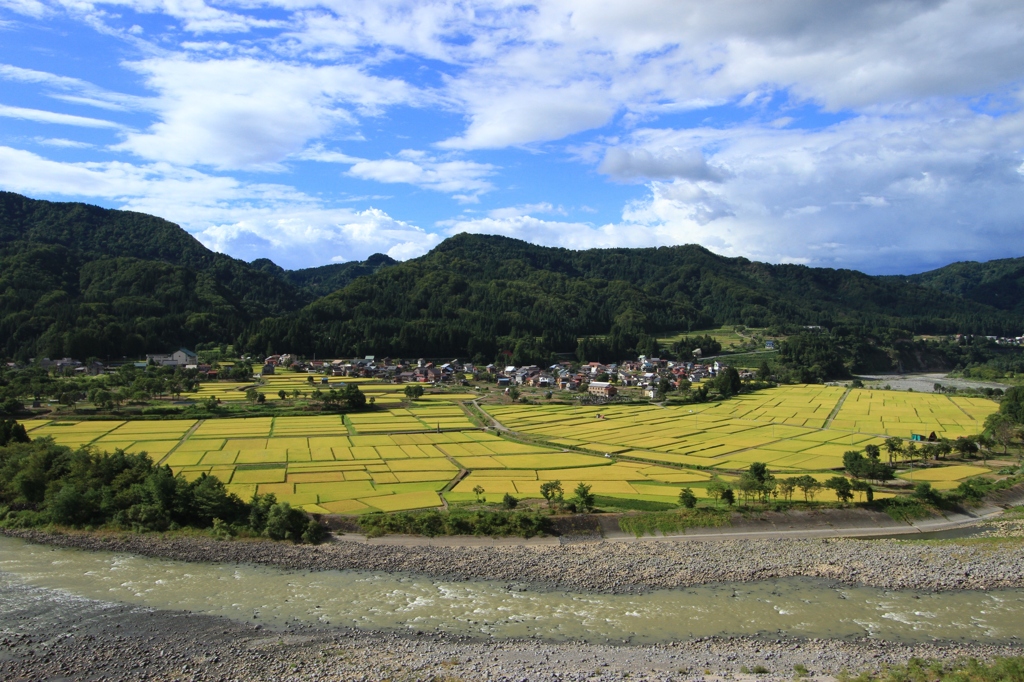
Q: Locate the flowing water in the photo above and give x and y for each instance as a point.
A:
(275, 597)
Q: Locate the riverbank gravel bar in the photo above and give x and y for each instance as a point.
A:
(610, 567)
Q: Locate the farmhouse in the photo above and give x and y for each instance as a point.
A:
(178, 358)
(602, 388)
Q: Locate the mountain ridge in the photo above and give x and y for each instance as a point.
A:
(80, 280)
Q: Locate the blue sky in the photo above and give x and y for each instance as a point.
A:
(885, 136)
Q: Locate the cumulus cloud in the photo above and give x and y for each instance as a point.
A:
(643, 164)
(415, 168)
(251, 113)
(247, 220)
(881, 193)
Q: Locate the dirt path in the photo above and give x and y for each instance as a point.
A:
(182, 440)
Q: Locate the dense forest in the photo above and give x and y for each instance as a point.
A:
(479, 296)
(82, 281)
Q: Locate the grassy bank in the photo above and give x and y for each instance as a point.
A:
(669, 522)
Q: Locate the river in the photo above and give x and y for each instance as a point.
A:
(374, 600)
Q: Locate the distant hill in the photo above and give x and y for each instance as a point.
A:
(480, 295)
(84, 281)
(997, 283)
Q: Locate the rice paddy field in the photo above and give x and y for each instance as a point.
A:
(385, 395)
(401, 458)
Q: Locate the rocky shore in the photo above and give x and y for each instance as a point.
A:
(48, 635)
(609, 567)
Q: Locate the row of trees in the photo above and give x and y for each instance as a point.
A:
(758, 484)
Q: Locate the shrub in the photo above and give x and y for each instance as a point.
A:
(285, 523)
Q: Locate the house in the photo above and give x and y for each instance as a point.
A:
(603, 389)
(769, 345)
(178, 358)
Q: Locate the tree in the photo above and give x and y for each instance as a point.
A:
(687, 499)
(583, 498)
(842, 487)
(728, 496)
(285, 523)
(785, 487)
(716, 489)
(664, 386)
(309, 380)
(250, 395)
(910, 451)
(12, 432)
(413, 391)
(509, 502)
(552, 492)
(478, 490)
(872, 451)
(1012, 404)
(728, 382)
(261, 398)
(764, 372)
(351, 397)
(282, 394)
(809, 485)
(861, 486)
(1002, 429)
(513, 393)
(757, 482)
(965, 446)
(894, 446)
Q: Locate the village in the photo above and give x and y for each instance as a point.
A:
(643, 377)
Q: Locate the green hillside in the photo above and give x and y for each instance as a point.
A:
(997, 283)
(479, 295)
(84, 281)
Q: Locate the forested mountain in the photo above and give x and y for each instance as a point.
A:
(998, 283)
(325, 279)
(84, 281)
(480, 295)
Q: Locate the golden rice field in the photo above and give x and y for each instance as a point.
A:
(945, 478)
(783, 427)
(384, 395)
(402, 458)
(901, 414)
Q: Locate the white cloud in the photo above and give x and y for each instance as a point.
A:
(415, 168)
(520, 115)
(249, 113)
(246, 220)
(88, 93)
(32, 8)
(61, 142)
(884, 193)
(318, 153)
(670, 162)
(524, 210)
(41, 116)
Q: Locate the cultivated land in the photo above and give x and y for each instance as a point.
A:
(411, 455)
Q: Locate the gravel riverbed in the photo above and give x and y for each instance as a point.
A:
(610, 567)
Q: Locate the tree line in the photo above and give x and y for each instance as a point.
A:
(42, 483)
